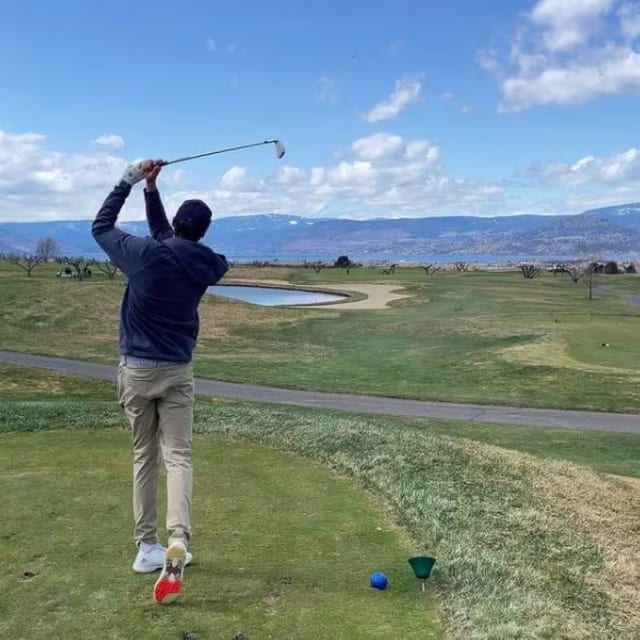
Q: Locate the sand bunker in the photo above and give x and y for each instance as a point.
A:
(378, 295)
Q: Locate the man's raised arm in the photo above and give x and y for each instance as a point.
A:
(126, 251)
(156, 216)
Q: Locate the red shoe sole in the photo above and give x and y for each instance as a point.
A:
(169, 585)
(166, 591)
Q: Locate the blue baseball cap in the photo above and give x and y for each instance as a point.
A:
(194, 213)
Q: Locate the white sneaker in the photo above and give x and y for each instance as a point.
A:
(169, 585)
(151, 557)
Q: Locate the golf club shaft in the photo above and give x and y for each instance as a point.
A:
(212, 153)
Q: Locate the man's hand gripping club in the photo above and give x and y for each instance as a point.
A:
(143, 170)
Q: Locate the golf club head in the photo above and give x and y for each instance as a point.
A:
(279, 149)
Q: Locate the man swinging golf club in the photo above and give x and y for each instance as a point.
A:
(167, 275)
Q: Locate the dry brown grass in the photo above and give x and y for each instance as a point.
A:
(280, 274)
(49, 386)
(580, 509)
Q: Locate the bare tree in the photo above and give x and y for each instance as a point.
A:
(46, 248)
(107, 266)
(26, 261)
(558, 268)
(430, 269)
(529, 271)
(586, 273)
(390, 271)
(461, 266)
(575, 273)
(318, 266)
(81, 266)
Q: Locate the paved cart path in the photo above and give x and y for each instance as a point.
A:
(551, 418)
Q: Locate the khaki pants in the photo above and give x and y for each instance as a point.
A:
(158, 401)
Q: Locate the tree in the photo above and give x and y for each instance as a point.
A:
(46, 248)
(611, 268)
(430, 269)
(26, 261)
(81, 266)
(630, 268)
(529, 271)
(558, 268)
(343, 262)
(108, 267)
(318, 266)
(461, 266)
(575, 273)
(586, 273)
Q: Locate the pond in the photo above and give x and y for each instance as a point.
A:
(273, 296)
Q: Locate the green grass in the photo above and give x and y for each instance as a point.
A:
(472, 337)
(529, 545)
(40, 384)
(28, 403)
(283, 548)
(467, 337)
(527, 548)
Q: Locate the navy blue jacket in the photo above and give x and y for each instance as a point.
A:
(167, 277)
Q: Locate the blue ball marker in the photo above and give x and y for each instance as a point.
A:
(378, 581)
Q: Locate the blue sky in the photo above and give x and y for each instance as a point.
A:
(400, 109)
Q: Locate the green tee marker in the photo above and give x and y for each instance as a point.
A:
(422, 566)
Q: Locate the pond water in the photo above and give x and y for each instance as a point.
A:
(271, 296)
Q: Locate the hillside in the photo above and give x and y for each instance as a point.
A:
(610, 230)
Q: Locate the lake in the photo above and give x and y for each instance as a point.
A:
(272, 296)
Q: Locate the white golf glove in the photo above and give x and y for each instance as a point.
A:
(133, 173)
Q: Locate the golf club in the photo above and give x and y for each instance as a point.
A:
(279, 151)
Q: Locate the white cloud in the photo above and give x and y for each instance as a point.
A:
(587, 182)
(175, 178)
(328, 91)
(406, 92)
(567, 52)
(614, 71)
(109, 140)
(621, 169)
(236, 179)
(383, 174)
(288, 175)
(39, 184)
(629, 14)
(212, 45)
(568, 23)
(378, 146)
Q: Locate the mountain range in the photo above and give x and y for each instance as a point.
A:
(606, 232)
